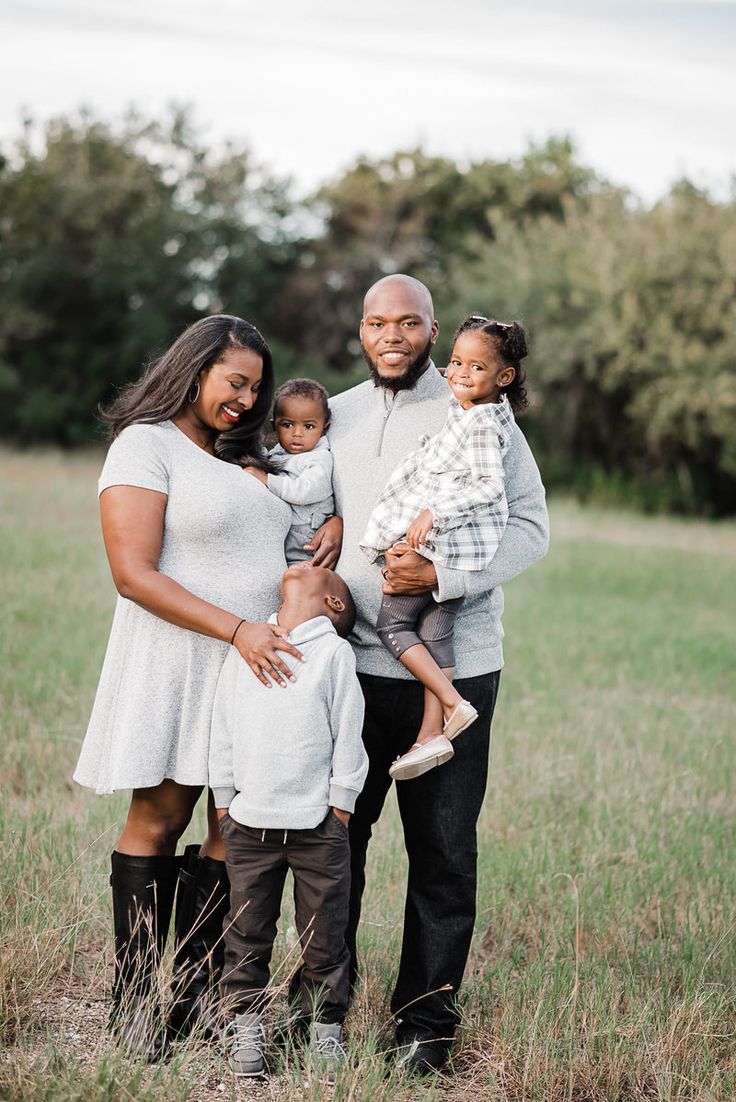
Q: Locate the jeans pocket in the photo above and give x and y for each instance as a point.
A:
(338, 820)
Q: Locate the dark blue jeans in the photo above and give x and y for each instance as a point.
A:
(439, 813)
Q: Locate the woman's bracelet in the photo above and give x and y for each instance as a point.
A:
(232, 637)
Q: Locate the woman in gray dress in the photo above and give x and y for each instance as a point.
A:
(196, 550)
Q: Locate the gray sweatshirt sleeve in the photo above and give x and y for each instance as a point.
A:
(525, 539)
(349, 759)
(221, 737)
(312, 484)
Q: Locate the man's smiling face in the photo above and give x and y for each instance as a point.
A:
(397, 331)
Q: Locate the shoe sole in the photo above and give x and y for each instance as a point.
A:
(413, 769)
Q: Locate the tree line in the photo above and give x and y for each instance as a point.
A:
(114, 237)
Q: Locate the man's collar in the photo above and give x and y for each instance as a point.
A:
(430, 384)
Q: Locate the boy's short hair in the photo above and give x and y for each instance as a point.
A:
(302, 388)
(344, 621)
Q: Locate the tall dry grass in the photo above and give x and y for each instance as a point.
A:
(604, 960)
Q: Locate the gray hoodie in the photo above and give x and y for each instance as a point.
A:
(305, 482)
(279, 758)
(371, 432)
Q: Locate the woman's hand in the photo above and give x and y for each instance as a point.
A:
(326, 544)
(419, 529)
(258, 645)
(257, 473)
(407, 572)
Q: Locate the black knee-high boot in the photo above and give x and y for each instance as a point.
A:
(142, 900)
(202, 902)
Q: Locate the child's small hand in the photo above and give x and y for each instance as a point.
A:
(257, 473)
(419, 529)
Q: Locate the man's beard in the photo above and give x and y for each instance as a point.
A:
(401, 382)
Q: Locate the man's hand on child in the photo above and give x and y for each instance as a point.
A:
(407, 572)
(343, 816)
(419, 529)
(257, 473)
(326, 543)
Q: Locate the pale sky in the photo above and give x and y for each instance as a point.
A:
(646, 88)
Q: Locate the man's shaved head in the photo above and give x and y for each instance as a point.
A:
(394, 285)
(397, 331)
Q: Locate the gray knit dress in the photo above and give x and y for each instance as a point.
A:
(223, 540)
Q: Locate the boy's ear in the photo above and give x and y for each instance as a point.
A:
(335, 603)
(327, 425)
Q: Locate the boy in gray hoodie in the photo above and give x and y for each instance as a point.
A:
(286, 769)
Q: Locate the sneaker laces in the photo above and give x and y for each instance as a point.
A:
(251, 1037)
(330, 1048)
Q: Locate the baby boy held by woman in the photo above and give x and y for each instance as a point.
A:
(301, 462)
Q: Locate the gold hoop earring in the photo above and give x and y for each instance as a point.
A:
(193, 396)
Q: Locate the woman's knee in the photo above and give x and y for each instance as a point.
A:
(160, 816)
(154, 835)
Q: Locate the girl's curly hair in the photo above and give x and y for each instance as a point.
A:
(508, 340)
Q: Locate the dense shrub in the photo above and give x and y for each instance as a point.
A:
(112, 239)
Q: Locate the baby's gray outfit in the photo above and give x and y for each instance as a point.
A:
(304, 481)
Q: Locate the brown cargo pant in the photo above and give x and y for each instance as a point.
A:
(257, 862)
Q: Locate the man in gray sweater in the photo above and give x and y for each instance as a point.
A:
(373, 427)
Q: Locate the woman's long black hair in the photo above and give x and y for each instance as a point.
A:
(165, 387)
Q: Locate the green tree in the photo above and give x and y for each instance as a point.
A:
(111, 241)
(631, 316)
(416, 214)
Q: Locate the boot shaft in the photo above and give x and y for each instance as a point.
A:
(142, 901)
(202, 903)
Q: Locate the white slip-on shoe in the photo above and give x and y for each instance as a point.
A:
(462, 717)
(420, 759)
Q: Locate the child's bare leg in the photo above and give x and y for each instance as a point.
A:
(419, 662)
(433, 717)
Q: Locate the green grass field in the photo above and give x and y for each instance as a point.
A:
(604, 962)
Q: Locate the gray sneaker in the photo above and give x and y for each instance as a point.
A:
(245, 1039)
(328, 1050)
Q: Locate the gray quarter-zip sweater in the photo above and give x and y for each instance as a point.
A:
(371, 431)
(282, 757)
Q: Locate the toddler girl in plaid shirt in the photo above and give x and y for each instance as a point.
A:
(446, 500)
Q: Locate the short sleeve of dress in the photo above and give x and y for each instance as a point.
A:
(138, 457)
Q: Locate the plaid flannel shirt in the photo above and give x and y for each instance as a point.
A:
(458, 475)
